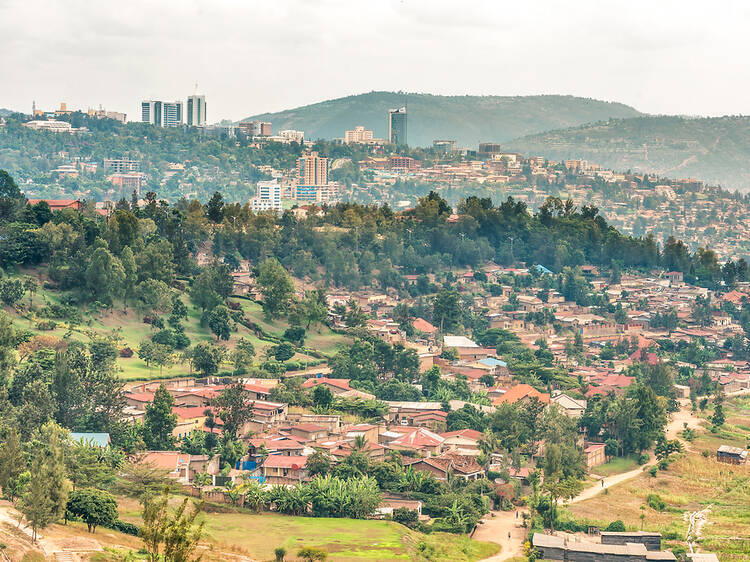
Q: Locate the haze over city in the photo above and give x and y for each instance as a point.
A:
(253, 57)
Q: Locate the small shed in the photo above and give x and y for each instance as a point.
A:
(731, 455)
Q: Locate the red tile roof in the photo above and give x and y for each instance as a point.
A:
(343, 384)
(467, 433)
(422, 325)
(519, 392)
(282, 461)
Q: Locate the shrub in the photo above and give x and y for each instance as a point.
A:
(652, 471)
(663, 464)
(643, 458)
(655, 502)
(46, 325)
(611, 447)
(405, 516)
(279, 553)
(126, 352)
(125, 527)
(616, 527)
(705, 454)
(312, 554)
(493, 474)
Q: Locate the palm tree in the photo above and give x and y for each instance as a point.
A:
(359, 443)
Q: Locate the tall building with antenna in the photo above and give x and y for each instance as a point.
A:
(196, 111)
(397, 126)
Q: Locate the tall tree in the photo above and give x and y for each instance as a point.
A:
(276, 286)
(160, 421)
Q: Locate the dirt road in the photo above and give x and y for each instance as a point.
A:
(495, 529)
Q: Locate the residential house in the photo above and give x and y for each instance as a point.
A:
(573, 407)
(463, 441)
(460, 466)
(287, 470)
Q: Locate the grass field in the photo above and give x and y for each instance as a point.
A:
(257, 535)
(130, 330)
(692, 482)
(616, 466)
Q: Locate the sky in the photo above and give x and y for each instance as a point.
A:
(250, 57)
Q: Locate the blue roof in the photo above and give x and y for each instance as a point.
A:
(96, 439)
(542, 269)
(492, 362)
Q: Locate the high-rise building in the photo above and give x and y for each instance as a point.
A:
(311, 184)
(162, 113)
(268, 198)
(397, 126)
(358, 135)
(196, 111)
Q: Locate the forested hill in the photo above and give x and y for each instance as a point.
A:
(5, 112)
(467, 119)
(716, 150)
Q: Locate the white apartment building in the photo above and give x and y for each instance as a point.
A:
(162, 113)
(268, 198)
(358, 135)
(196, 111)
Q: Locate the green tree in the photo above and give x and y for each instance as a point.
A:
(131, 273)
(207, 358)
(234, 408)
(105, 276)
(12, 466)
(159, 421)
(94, 507)
(45, 498)
(171, 536)
(276, 287)
(11, 290)
(218, 322)
(446, 310)
(283, 351)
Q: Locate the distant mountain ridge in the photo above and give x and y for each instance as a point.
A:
(467, 119)
(5, 112)
(713, 149)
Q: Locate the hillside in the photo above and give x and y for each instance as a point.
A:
(716, 150)
(467, 119)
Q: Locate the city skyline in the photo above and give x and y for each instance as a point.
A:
(648, 52)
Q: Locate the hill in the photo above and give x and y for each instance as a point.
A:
(5, 112)
(467, 119)
(716, 150)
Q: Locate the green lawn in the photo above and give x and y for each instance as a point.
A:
(257, 535)
(616, 466)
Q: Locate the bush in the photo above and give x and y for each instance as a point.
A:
(493, 474)
(616, 527)
(46, 325)
(572, 526)
(405, 516)
(663, 464)
(643, 458)
(126, 352)
(611, 447)
(655, 502)
(705, 454)
(311, 554)
(652, 471)
(125, 527)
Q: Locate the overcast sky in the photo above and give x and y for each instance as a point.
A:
(250, 57)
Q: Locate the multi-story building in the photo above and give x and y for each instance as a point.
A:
(255, 128)
(196, 111)
(311, 184)
(445, 145)
(358, 135)
(162, 113)
(121, 165)
(268, 198)
(127, 182)
(290, 135)
(104, 114)
(397, 126)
